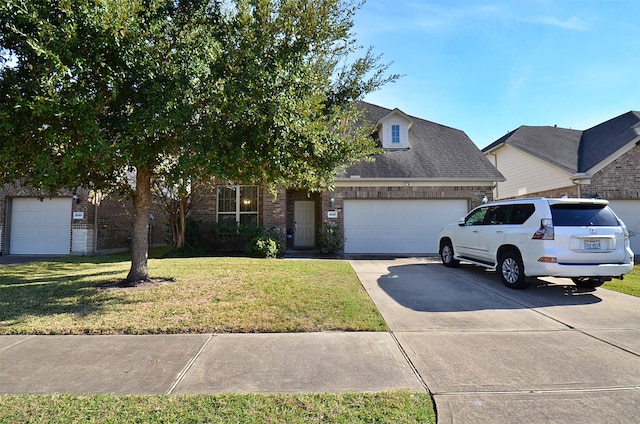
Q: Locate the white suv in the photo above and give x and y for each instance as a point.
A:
(581, 239)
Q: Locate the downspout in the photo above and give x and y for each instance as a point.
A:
(496, 194)
(95, 223)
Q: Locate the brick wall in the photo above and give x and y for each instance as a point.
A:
(473, 195)
(115, 225)
(620, 180)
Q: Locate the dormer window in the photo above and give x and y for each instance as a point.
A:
(393, 130)
(395, 134)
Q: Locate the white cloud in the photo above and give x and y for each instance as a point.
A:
(573, 23)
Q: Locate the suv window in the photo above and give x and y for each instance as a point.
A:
(520, 213)
(498, 215)
(476, 217)
(582, 216)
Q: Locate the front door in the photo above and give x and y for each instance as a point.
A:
(304, 216)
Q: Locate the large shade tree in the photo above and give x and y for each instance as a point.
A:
(114, 95)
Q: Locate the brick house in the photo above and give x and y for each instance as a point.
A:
(602, 161)
(427, 176)
(79, 223)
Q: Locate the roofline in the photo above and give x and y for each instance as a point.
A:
(414, 182)
(396, 111)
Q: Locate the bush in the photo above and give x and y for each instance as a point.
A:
(331, 238)
(264, 246)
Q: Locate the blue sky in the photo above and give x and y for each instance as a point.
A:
(488, 66)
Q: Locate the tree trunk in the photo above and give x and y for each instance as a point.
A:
(182, 225)
(140, 242)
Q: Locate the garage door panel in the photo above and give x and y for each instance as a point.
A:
(397, 226)
(629, 212)
(40, 226)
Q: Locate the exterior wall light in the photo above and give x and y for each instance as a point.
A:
(332, 201)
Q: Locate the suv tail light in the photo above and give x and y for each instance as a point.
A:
(545, 232)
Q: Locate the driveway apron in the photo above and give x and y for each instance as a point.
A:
(551, 353)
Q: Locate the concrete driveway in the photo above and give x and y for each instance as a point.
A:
(551, 353)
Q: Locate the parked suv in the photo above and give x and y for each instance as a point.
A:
(581, 239)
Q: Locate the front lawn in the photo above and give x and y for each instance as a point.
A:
(629, 285)
(191, 295)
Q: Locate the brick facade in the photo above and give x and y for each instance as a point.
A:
(110, 218)
(473, 195)
(620, 180)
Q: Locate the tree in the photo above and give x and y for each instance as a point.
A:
(113, 95)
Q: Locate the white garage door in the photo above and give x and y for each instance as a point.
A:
(398, 226)
(629, 212)
(40, 227)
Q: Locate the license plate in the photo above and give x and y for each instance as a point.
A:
(592, 244)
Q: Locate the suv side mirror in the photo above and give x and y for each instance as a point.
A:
(461, 222)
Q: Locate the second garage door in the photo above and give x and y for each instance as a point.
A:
(398, 226)
(40, 226)
(629, 212)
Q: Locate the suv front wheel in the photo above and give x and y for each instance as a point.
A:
(511, 270)
(446, 254)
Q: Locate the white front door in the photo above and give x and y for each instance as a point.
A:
(304, 216)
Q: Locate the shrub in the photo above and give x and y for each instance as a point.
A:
(331, 238)
(264, 246)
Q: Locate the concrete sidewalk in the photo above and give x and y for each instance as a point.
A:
(229, 363)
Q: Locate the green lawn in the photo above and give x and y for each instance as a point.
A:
(629, 285)
(396, 407)
(198, 295)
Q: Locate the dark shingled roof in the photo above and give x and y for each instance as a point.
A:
(572, 150)
(558, 146)
(435, 152)
(604, 139)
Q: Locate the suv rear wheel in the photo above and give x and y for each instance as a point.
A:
(587, 282)
(446, 254)
(511, 270)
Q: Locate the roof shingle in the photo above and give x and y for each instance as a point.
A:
(436, 152)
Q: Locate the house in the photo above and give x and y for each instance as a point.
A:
(602, 161)
(79, 223)
(427, 176)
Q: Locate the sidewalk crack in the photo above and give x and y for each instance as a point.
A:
(187, 367)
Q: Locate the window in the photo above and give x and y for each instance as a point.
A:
(238, 205)
(476, 217)
(583, 215)
(395, 133)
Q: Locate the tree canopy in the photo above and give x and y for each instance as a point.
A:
(97, 93)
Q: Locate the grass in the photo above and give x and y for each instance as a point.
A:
(630, 285)
(305, 408)
(199, 295)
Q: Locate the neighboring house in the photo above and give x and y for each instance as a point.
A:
(429, 175)
(35, 223)
(603, 161)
